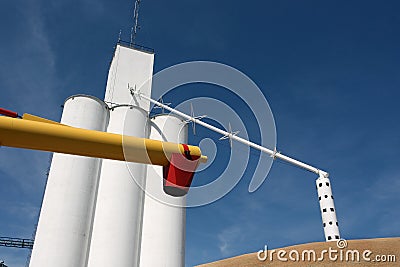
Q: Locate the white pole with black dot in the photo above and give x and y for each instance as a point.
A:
(327, 206)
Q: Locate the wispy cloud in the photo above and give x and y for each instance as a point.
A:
(14, 257)
(23, 210)
(379, 210)
(228, 238)
(386, 192)
(28, 72)
(386, 186)
(25, 168)
(28, 76)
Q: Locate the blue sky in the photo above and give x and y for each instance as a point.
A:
(329, 70)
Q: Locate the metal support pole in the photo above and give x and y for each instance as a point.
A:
(232, 136)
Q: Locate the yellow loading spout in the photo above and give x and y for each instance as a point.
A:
(36, 133)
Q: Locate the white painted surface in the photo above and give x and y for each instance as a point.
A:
(66, 217)
(133, 67)
(119, 208)
(328, 211)
(164, 221)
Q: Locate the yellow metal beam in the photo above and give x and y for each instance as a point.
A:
(31, 117)
(40, 134)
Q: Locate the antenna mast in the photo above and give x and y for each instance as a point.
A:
(135, 26)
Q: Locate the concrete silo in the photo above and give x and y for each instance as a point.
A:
(119, 207)
(164, 219)
(65, 222)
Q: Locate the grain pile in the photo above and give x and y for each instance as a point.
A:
(387, 250)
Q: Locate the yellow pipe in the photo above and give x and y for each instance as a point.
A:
(31, 117)
(54, 137)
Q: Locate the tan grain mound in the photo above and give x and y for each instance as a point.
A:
(387, 249)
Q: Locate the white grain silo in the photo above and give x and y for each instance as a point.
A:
(164, 220)
(119, 207)
(65, 222)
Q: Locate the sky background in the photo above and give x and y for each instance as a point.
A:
(329, 70)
